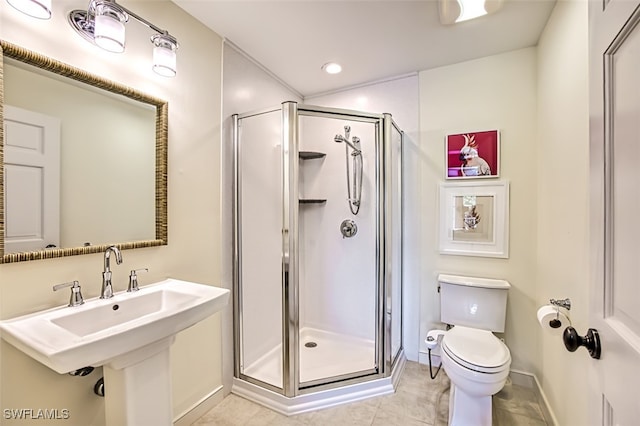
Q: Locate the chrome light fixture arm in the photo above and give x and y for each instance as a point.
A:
(162, 35)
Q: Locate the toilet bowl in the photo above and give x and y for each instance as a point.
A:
(477, 363)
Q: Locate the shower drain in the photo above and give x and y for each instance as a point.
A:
(310, 345)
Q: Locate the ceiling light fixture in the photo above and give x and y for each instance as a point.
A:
(332, 68)
(40, 9)
(103, 24)
(454, 11)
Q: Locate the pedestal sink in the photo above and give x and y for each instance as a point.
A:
(128, 334)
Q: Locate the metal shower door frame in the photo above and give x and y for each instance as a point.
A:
(238, 311)
(291, 359)
(389, 237)
(291, 113)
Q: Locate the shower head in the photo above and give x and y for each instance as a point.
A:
(353, 145)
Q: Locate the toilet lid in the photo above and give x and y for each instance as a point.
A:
(475, 349)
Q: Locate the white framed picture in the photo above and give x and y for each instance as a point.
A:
(474, 218)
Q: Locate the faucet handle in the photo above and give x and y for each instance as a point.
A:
(133, 279)
(76, 296)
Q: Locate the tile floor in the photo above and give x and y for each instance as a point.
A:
(418, 401)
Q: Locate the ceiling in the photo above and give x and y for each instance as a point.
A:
(372, 40)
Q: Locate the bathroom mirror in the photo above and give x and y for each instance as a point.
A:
(102, 179)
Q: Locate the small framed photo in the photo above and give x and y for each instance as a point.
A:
(474, 219)
(473, 155)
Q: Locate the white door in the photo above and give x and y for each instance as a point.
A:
(615, 208)
(32, 180)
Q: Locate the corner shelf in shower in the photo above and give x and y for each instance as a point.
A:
(312, 201)
(311, 155)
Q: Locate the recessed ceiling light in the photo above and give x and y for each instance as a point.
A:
(332, 68)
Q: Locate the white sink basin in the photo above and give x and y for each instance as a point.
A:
(96, 333)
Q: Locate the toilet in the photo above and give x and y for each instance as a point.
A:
(476, 361)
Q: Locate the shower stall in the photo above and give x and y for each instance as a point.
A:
(317, 256)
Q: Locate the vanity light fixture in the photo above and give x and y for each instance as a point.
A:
(454, 11)
(103, 24)
(40, 9)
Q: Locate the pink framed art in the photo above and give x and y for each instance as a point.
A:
(473, 155)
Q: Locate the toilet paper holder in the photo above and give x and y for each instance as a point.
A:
(572, 340)
(563, 303)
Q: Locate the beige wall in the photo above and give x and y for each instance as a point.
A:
(563, 201)
(538, 98)
(193, 252)
(497, 92)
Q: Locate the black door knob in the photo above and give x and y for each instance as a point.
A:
(572, 341)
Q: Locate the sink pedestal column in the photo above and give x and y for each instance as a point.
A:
(137, 387)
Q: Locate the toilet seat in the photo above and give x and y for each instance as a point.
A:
(477, 350)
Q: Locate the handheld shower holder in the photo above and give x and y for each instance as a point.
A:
(356, 154)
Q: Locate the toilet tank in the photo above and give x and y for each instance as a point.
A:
(473, 302)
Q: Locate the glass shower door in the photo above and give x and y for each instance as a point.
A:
(258, 233)
(338, 270)
(317, 250)
(393, 238)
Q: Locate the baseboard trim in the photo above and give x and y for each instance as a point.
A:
(200, 408)
(423, 358)
(531, 381)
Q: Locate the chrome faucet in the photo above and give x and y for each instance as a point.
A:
(107, 289)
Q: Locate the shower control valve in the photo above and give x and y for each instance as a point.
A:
(348, 228)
